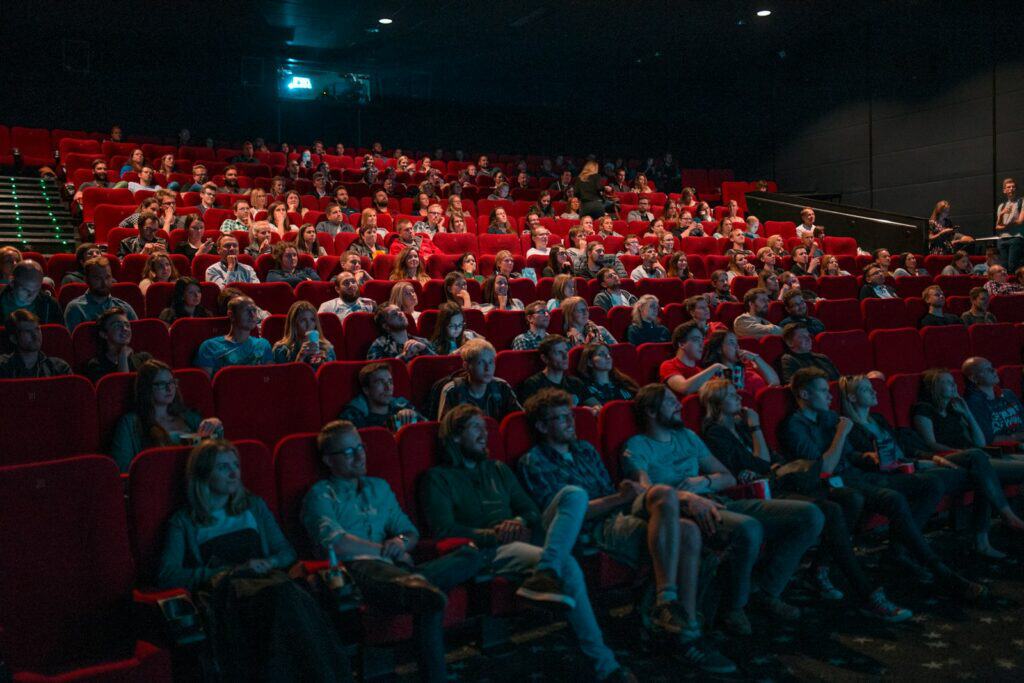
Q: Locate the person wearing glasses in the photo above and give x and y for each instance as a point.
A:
(434, 223)
(357, 519)
(159, 417)
(207, 198)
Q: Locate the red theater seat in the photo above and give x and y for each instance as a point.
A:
(898, 351)
(187, 334)
(358, 333)
(149, 335)
(238, 389)
(839, 314)
(516, 366)
(49, 418)
(518, 439)
(885, 314)
(999, 343)
(850, 350)
(67, 576)
(338, 383)
(945, 346)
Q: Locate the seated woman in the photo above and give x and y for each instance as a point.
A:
(454, 290)
(540, 238)
(113, 336)
(450, 331)
(303, 340)
(908, 266)
(788, 280)
(739, 265)
(572, 209)
(456, 225)
(408, 266)
(293, 202)
(961, 265)
(559, 262)
(185, 301)
(769, 281)
(404, 296)
(733, 433)
(494, 296)
(258, 202)
(455, 208)
(277, 216)
(830, 266)
(306, 241)
(226, 543)
(952, 438)
(778, 245)
(646, 327)
(562, 288)
(747, 370)
(159, 268)
(769, 260)
(158, 417)
(286, 257)
(603, 382)
(577, 326)
(505, 265)
(498, 223)
(194, 243)
(606, 227)
(260, 241)
(678, 266)
(466, 266)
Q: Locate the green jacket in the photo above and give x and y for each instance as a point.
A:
(461, 501)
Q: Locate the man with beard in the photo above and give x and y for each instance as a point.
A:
(394, 340)
(99, 179)
(231, 185)
(348, 300)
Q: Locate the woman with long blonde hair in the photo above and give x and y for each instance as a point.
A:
(587, 187)
(409, 266)
(303, 340)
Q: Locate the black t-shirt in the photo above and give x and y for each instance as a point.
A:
(97, 367)
(944, 319)
(791, 362)
(535, 383)
(950, 429)
(734, 450)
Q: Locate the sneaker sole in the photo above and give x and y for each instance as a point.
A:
(551, 600)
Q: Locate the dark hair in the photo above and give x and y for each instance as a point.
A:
(540, 404)
(713, 347)
(553, 264)
(976, 292)
(648, 400)
(791, 294)
(489, 291)
(82, 250)
(177, 302)
(549, 342)
(368, 371)
(683, 331)
(19, 315)
(792, 328)
(618, 378)
(462, 259)
(152, 433)
(752, 295)
(449, 280)
(445, 312)
(803, 377)
(101, 324)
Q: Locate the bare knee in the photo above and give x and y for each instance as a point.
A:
(663, 500)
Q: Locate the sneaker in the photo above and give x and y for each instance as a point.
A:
(776, 607)
(417, 595)
(821, 582)
(736, 622)
(880, 607)
(700, 653)
(667, 618)
(544, 588)
(904, 563)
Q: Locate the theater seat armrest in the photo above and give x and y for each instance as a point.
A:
(746, 491)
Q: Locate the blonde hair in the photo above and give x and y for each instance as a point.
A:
(589, 169)
(848, 386)
(559, 285)
(398, 294)
(712, 397)
(197, 473)
(474, 348)
(567, 309)
(637, 316)
(291, 338)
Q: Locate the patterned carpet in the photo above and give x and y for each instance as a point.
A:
(832, 642)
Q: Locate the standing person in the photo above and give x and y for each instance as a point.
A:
(588, 187)
(226, 543)
(629, 522)
(357, 518)
(469, 495)
(1009, 218)
(733, 433)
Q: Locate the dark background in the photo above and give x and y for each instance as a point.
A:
(892, 104)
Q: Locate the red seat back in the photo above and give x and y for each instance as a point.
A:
(999, 343)
(237, 389)
(839, 314)
(837, 287)
(338, 384)
(898, 351)
(945, 346)
(518, 437)
(903, 391)
(849, 350)
(187, 334)
(49, 418)
(885, 314)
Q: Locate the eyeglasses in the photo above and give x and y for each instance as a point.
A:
(160, 386)
(348, 452)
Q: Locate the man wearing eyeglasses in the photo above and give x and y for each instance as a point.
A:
(359, 519)
(199, 178)
(207, 198)
(434, 223)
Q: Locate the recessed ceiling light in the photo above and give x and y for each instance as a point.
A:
(764, 13)
(385, 21)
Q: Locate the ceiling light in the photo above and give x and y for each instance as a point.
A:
(764, 13)
(384, 20)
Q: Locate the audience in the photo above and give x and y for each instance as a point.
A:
(477, 385)
(348, 299)
(403, 295)
(646, 327)
(84, 252)
(720, 286)
(562, 288)
(286, 260)
(997, 284)
(537, 319)
(577, 326)
(26, 339)
(935, 299)
(798, 340)
(25, 291)
(454, 290)
(186, 301)
(650, 267)
(666, 452)
(698, 308)
(733, 434)
(494, 295)
(146, 242)
(754, 323)
(356, 519)
(450, 331)
(394, 340)
(611, 293)
(602, 381)
(908, 267)
(229, 268)
(554, 354)
(997, 410)
(817, 435)
(594, 261)
(226, 542)
(238, 346)
(874, 285)
(90, 305)
(560, 262)
(961, 265)
(113, 354)
(408, 266)
(469, 495)
(376, 404)
(626, 521)
(303, 339)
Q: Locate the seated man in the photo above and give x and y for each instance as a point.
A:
(394, 340)
(229, 269)
(797, 339)
(651, 267)
(348, 300)
(682, 373)
(99, 179)
(352, 262)
(83, 253)
(334, 221)
(478, 387)
(408, 238)
(357, 519)
(554, 354)
(997, 410)
(25, 291)
(245, 156)
(27, 360)
(376, 405)
(883, 261)
(537, 317)
(642, 212)
(238, 346)
(874, 285)
(146, 242)
(978, 313)
(341, 198)
(113, 335)
(612, 293)
(627, 522)
(796, 308)
(97, 299)
(754, 323)
(815, 433)
(935, 299)
(434, 222)
(998, 285)
(803, 262)
(666, 452)
(471, 496)
(231, 185)
(594, 261)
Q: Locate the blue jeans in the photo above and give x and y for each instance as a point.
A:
(562, 521)
(787, 527)
(1011, 252)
